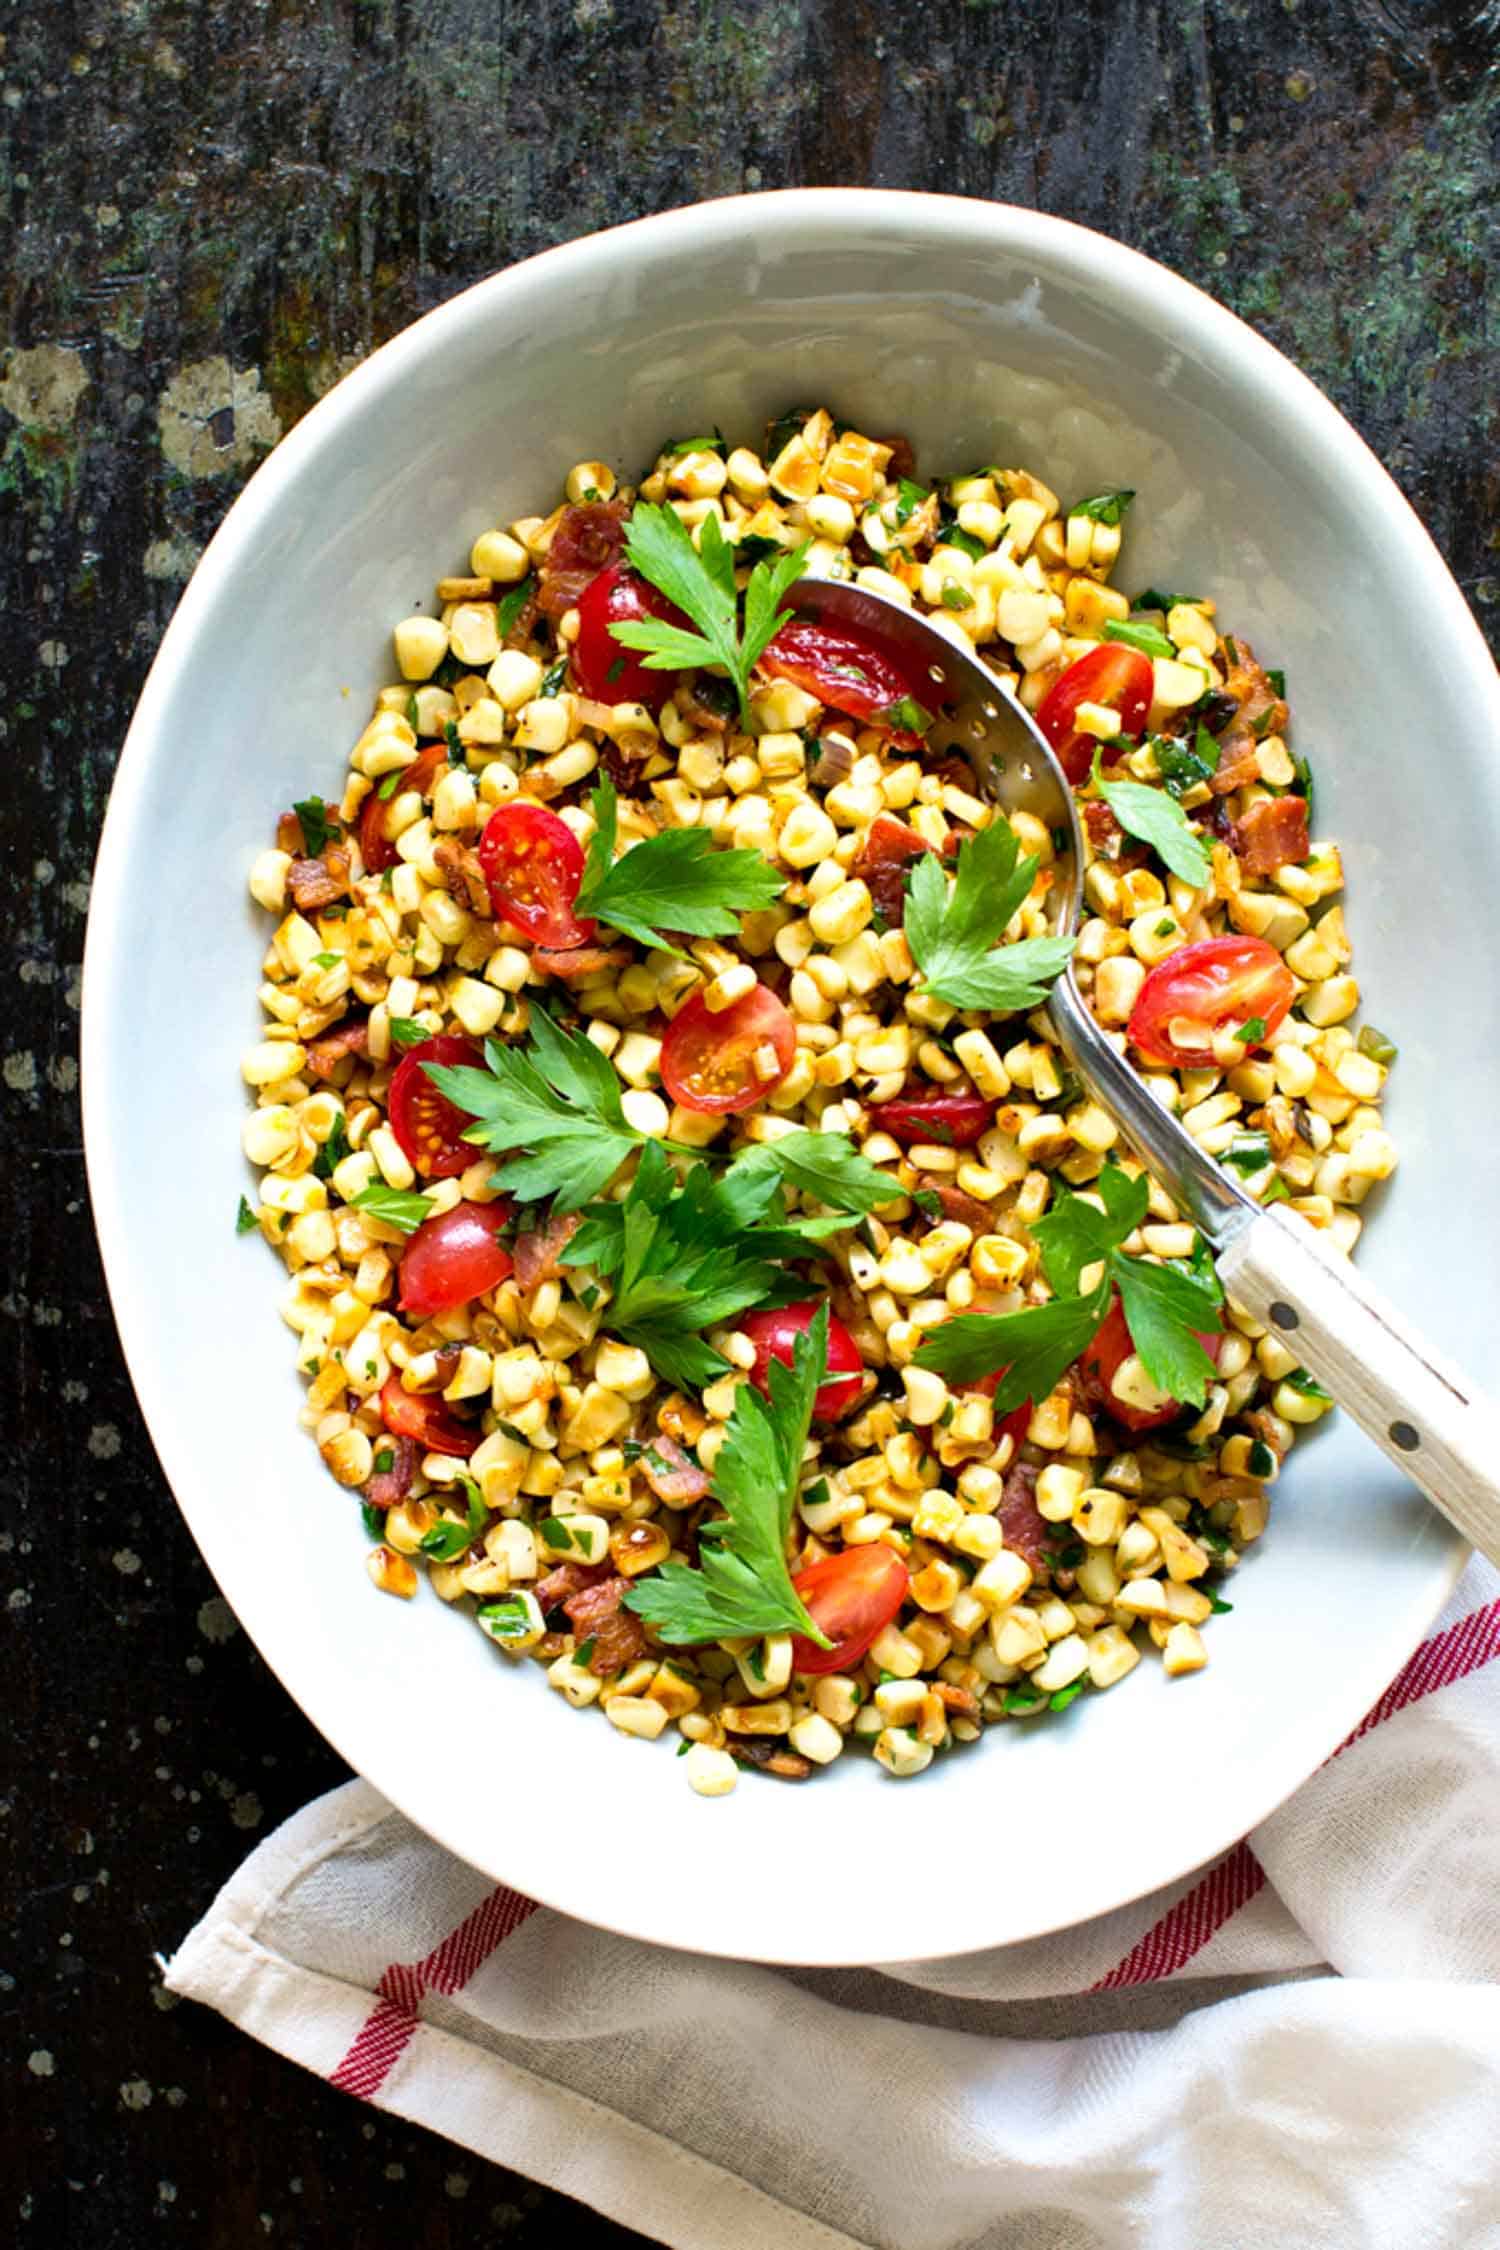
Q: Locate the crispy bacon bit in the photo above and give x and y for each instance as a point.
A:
(618, 1634)
(903, 461)
(961, 1701)
(537, 1252)
(576, 961)
(1024, 1527)
(698, 706)
(314, 883)
(672, 1474)
(1108, 837)
(1261, 713)
(523, 623)
(967, 1209)
(387, 1486)
(624, 768)
(347, 1038)
(588, 538)
(567, 1579)
(681, 1418)
(753, 1750)
(1272, 834)
(289, 836)
(886, 853)
(463, 877)
(834, 762)
(1269, 1428)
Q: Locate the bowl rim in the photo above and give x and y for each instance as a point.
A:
(1086, 257)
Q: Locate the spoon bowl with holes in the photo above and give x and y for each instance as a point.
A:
(1421, 1411)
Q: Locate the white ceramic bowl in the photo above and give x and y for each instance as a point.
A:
(986, 333)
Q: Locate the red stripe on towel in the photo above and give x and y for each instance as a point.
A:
(386, 2032)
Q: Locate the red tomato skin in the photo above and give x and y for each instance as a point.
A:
(428, 1126)
(454, 1258)
(426, 1419)
(701, 1050)
(533, 864)
(773, 1334)
(851, 1597)
(375, 847)
(948, 1120)
(1098, 1363)
(604, 668)
(1111, 674)
(1219, 980)
(845, 671)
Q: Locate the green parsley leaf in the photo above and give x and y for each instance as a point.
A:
(513, 602)
(743, 1586)
(1031, 1349)
(827, 1166)
(952, 930)
(677, 880)
(909, 498)
(1103, 507)
(952, 536)
(245, 1221)
(373, 1519)
(1183, 768)
(1165, 1311)
(333, 1151)
(1308, 1385)
(403, 1208)
(317, 823)
(407, 1032)
(1073, 1234)
(457, 755)
(447, 1540)
(715, 444)
(701, 581)
(1149, 639)
(1218, 1608)
(551, 1110)
(1277, 679)
(1155, 816)
(1152, 598)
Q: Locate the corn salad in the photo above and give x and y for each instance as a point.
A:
(1045, 1554)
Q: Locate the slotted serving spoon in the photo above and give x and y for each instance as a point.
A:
(1430, 1419)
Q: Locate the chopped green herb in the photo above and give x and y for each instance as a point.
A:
(1253, 1030)
(455, 748)
(952, 535)
(1165, 927)
(1023, 1699)
(317, 823)
(1376, 1045)
(956, 596)
(906, 715)
(326, 960)
(1103, 507)
(1247, 1153)
(517, 1437)
(553, 678)
(584, 1653)
(413, 715)
(385, 1461)
(245, 1221)
(1219, 1608)
(402, 1208)
(513, 602)
(1068, 1694)
(1278, 683)
(447, 1541)
(718, 443)
(507, 1618)
(1276, 1191)
(1149, 639)
(909, 498)
(1308, 1386)
(555, 1534)
(390, 785)
(373, 1520)
(1152, 598)
(1260, 1460)
(333, 1151)
(407, 1032)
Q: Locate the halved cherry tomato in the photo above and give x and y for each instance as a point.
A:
(428, 1420)
(850, 1597)
(1118, 677)
(605, 668)
(1101, 1360)
(774, 1333)
(1222, 980)
(454, 1257)
(428, 1126)
(848, 672)
(708, 1060)
(375, 847)
(951, 1120)
(533, 864)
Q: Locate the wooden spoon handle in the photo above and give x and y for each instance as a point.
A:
(1428, 1417)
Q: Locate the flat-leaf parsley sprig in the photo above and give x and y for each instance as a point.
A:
(700, 580)
(952, 929)
(743, 1586)
(1166, 1307)
(1155, 816)
(678, 880)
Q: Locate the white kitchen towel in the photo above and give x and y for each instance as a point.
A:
(1298, 2049)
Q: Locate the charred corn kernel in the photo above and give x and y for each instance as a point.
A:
(710, 1772)
(1059, 1491)
(978, 1536)
(1187, 1604)
(268, 875)
(387, 1151)
(495, 554)
(1296, 1406)
(729, 986)
(635, 1714)
(901, 1753)
(1066, 1661)
(1184, 1650)
(926, 1395)
(477, 1006)
(757, 1718)
(575, 1681)
(1110, 1654)
(1001, 1581)
(1142, 1597)
(892, 1651)
(1099, 1515)
(899, 1701)
(391, 1573)
(421, 643)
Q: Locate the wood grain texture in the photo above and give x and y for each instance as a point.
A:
(211, 210)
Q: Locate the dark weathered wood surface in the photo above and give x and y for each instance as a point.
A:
(210, 211)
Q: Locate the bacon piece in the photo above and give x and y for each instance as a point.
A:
(903, 461)
(1108, 837)
(387, 1486)
(884, 858)
(1261, 712)
(1024, 1527)
(618, 1635)
(463, 877)
(314, 883)
(768, 1757)
(961, 1701)
(347, 1038)
(696, 706)
(588, 538)
(537, 1252)
(967, 1209)
(289, 836)
(567, 1579)
(672, 1474)
(624, 769)
(574, 961)
(1272, 834)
